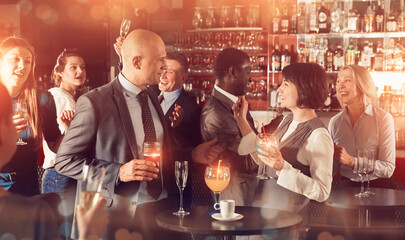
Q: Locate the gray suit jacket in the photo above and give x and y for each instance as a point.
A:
(217, 121)
(101, 134)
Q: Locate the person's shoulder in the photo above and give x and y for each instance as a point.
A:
(382, 114)
(338, 116)
(189, 100)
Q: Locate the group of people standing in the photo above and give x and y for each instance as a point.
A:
(106, 128)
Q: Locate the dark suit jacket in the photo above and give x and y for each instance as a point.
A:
(101, 134)
(217, 121)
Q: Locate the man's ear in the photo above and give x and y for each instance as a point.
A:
(231, 71)
(136, 62)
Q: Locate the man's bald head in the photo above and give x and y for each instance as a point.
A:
(142, 52)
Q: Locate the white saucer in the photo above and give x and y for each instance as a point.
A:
(218, 216)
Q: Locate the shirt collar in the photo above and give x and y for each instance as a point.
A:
(171, 95)
(228, 95)
(368, 110)
(128, 87)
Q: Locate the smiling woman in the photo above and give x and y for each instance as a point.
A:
(17, 63)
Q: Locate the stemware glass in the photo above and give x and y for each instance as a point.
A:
(20, 108)
(265, 141)
(125, 24)
(217, 179)
(361, 170)
(91, 185)
(181, 173)
(370, 169)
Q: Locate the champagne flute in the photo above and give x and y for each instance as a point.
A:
(265, 141)
(370, 169)
(181, 172)
(125, 24)
(20, 108)
(91, 184)
(361, 170)
(217, 179)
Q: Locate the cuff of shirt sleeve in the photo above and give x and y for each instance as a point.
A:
(286, 176)
(247, 144)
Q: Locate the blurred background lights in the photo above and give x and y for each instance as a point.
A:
(25, 6)
(116, 13)
(121, 234)
(82, 1)
(8, 236)
(97, 12)
(152, 6)
(75, 12)
(268, 213)
(135, 236)
(325, 236)
(43, 11)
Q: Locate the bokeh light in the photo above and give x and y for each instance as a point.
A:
(25, 6)
(135, 236)
(8, 236)
(152, 6)
(82, 1)
(121, 234)
(116, 13)
(325, 236)
(97, 12)
(268, 213)
(43, 11)
(75, 12)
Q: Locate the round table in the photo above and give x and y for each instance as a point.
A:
(255, 221)
(384, 199)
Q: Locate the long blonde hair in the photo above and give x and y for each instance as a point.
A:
(364, 82)
(28, 91)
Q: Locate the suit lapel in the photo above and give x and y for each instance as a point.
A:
(125, 117)
(178, 101)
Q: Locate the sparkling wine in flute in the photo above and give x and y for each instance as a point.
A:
(181, 177)
(89, 199)
(20, 108)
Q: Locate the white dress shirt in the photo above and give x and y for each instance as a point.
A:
(169, 98)
(373, 130)
(316, 152)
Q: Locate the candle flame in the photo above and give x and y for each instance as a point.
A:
(219, 164)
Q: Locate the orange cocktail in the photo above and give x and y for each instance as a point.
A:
(217, 179)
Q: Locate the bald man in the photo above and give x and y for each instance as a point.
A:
(107, 131)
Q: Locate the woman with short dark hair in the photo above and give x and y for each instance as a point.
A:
(301, 166)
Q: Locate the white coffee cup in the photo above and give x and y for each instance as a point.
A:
(227, 208)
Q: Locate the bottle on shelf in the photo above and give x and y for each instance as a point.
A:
(350, 56)
(338, 58)
(301, 18)
(353, 21)
(285, 57)
(379, 17)
(294, 20)
(320, 56)
(276, 59)
(328, 57)
(389, 56)
(398, 57)
(379, 58)
(276, 21)
(401, 20)
(285, 21)
(293, 54)
(210, 21)
(301, 53)
(313, 19)
(312, 51)
(391, 23)
(323, 19)
(368, 22)
(337, 17)
(384, 100)
(365, 59)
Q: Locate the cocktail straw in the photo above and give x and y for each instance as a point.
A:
(264, 131)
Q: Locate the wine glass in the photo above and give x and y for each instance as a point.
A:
(361, 170)
(265, 141)
(91, 185)
(125, 24)
(20, 108)
(181, 172)
(217, 179)
(370, 169)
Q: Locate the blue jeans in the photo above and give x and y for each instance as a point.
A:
(65, 187)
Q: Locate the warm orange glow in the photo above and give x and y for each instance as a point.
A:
(43, 11)
(26, 7)
(152, 6)
(75, 12)
(97, 12)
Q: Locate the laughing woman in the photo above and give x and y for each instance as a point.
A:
(17, 62)
(302, 164)
(361, 125)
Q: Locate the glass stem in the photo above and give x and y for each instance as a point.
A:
(368, 183)
(181, 200)
(362, 185)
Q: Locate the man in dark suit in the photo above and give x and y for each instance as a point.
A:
(232, 71)
(108, 130)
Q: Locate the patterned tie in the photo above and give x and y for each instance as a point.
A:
(161, 98)
(154, 186)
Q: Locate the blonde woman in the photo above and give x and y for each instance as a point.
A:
(361, 125)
